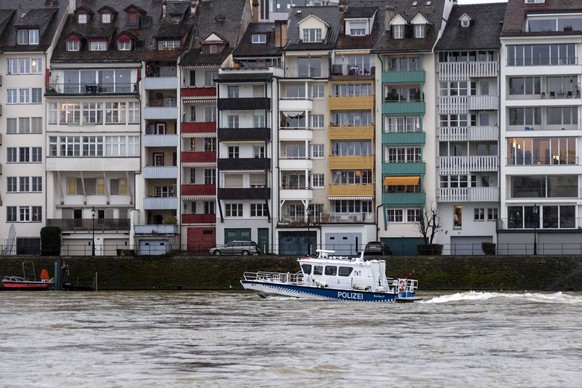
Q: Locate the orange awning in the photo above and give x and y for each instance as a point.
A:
(401, 180)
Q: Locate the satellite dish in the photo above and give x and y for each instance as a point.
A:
(10, 243)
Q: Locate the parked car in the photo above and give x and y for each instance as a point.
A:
(377, 248)
(236, 248)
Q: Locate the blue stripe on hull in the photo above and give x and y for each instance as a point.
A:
(320, 293)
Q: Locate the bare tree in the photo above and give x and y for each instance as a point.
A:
(429, 223)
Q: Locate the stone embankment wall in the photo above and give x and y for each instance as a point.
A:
(531, 273)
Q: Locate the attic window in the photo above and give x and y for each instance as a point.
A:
(98, 45)
(106, 18)
(398, 31)
(169, 44)
(132, 17)
(419, 31)
(176, 20)
(28, 36)
(259, 38)
(465, 23)
(73, 43)
(124, 43)
(82, 18)
(312, 35)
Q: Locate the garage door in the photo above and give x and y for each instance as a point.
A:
(468, 245)
(153, 247)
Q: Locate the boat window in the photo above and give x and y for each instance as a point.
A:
(318, 269)
(306, 269)
(330, 270)
(345, 271)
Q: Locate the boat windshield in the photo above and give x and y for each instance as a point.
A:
(306, 269)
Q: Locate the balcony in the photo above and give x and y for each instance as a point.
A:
(245, 193)
(157, 229)
(459, 165)
(160, 140)
(295, 164)
(483, 102)
(244, 164)
(306, 72)
(404, 138)
(295, 134)
(198, 157)
(160, 83)
(403, 77)
(160, 172)
(346, 218)
(454, 71)
(199, 127)
(198, 218)
(244, 103)
(338, 131)
(403, 199)
(194, 189)
(477, 133)
(453, 105)
(85, 225)
(295, 104)
(353, 190)
(296, 194)
(417, 107)
(351, 103)
(469, 194)
(351, 162)
(160, 203)
(160, 113)
(233, 134)
(204, 91)
(89, 89)
(396, 169)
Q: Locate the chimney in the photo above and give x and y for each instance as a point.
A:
(255, 11)
(280, 33)
(388, 15)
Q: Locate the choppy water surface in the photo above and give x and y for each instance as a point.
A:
(213, 339)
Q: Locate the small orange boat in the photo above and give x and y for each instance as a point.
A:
(17, 283)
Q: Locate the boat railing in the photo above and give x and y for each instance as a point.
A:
(279, 277)
(405, 284)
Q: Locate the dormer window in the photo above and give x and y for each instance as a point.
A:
(169, 44)
(259, 38)
(133, 17)
(98, 45)
(312, 35)
(82, 18)
(419, 31)
(73, 43)
(465, 20)
(124, 43)
(398, 31)
(106, 18)
(28, 36)
(356, 28)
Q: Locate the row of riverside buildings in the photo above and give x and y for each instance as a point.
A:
(156, 125)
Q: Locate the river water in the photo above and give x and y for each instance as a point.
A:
(236, 339)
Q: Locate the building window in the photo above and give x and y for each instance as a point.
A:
(259, 38)
(98, 45)
(312, 35)
(11, 212)
(479, 214)
(259, 210)
(73, 45)
(82, 18)
(124, 45)
(11, 184)
(209, 144)
(234, 210)
(169, 44)
(106, 18)
(419, 31)
(209, 177)
(395, 215)
(492, 214)
(258, 151)
(36, 214)
(398, 31)
(24, 213)
(233, 91)
(317, 121)
(28, 36)
(158, 159)
(209, 207)
(458, 216)
(317, 151)
(233, 152)
(317, 91)
(318, 180)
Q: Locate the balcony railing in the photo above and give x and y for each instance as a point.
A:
(198, 91)
(198, 218)
(156, 229)
(477, 133)
(194, 189)
(198, 127)
(85, 225)
(469, 194)
(466, 164)
(453, 71)
(198, 157)
(90, 88)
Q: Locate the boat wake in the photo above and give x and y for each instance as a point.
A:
(557, 297)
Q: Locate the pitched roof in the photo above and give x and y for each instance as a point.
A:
(33, 14)
(247, 48)
(482, 33)
(432, 11)
(328, 14)
(153, 26)
(517, 10)
(346, 42)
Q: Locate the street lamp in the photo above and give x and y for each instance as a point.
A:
(93, 227)
(535, 210)
(308, 213)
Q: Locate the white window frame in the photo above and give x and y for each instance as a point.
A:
(98, 45)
